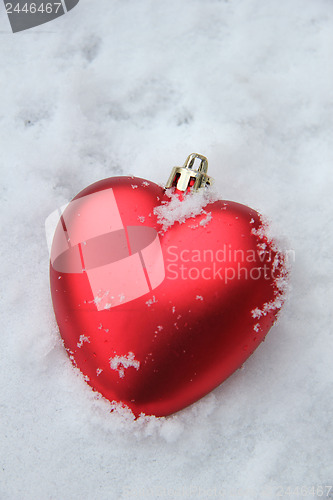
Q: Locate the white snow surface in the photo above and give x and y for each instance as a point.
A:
(129, 87)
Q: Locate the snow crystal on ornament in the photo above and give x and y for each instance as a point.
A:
(206, 220)
(121, 363)
(273, 305)
(151, 301)
(83, 339)
(122, 297)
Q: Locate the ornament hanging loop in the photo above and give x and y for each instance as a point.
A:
(186, 178)
(189, 162)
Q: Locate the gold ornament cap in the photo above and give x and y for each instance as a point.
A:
(186, 178)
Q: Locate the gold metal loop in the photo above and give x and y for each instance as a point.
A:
(186, 178)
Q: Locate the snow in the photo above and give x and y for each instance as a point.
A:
(151, 301)
(132, 88)
(83, 338)
(121, 363)
(178, 209)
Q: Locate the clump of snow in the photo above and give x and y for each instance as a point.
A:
(179, 210)
(121, 363)
(268, 244)
(206, 220)
(82, 339)
(273, 305)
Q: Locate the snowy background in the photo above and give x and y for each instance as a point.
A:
(133, 87)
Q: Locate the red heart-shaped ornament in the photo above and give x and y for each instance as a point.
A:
(156, 314)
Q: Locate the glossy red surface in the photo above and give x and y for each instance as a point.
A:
(155, 320)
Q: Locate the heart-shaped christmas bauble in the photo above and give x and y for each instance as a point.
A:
(160, 296)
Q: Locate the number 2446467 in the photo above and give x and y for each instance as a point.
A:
(33, 8)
